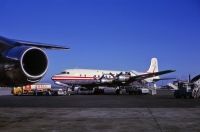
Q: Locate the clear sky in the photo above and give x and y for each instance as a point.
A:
(109, 34)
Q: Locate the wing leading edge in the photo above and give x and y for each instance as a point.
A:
(40, 45)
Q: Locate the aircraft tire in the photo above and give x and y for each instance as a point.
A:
(118, 92)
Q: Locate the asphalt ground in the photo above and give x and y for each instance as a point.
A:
(164, 99)
(108, 113)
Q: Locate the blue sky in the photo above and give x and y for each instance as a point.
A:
(109, 34)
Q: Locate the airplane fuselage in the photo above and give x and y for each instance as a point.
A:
(86, 76)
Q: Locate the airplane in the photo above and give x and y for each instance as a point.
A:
(22, 62)
(92, 78)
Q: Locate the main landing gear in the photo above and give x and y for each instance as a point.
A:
(118, 91)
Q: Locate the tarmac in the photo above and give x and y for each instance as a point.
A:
(108, 113)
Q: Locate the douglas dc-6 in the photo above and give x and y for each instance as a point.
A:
(90, 78)
(22, 62)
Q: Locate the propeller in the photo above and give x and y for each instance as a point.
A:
(104, 75)
(121, 73)
(106, 79)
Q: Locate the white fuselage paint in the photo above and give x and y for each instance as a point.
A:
(92, 76)
(85, 76)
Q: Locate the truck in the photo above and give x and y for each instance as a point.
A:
(33, 89)
(184, 89)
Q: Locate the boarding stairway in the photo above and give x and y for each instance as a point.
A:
(173, 86)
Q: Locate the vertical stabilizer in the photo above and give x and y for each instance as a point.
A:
(154, 67)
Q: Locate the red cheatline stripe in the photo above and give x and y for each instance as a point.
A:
(71, 77)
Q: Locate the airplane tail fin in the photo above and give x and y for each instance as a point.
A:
(154, 67)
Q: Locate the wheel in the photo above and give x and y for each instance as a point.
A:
(118, 92)
(130, 92)
(97, 91)
(177, 96)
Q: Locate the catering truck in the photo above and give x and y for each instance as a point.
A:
(33, 89)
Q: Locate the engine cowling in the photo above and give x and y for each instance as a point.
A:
(123, 78)
(24, 65)
(106, 80)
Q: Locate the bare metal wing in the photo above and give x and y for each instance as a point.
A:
(149, 75)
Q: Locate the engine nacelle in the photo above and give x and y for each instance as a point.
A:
(23, 65)
(123, 78)
(106, 80)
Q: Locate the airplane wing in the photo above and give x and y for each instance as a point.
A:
(40, 45)
(149, 75)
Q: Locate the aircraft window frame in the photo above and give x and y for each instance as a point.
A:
(64, 72)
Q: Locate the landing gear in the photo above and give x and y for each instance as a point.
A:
(98, 91)
(130, 92)
(118, 91)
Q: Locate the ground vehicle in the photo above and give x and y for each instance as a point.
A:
(137, 90)
(58, 92)
(184, 89)
(86, 91)
(34, 89)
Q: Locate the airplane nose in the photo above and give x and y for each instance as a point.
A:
(53, 77)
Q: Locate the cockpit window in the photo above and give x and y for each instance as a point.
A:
(64, 72)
